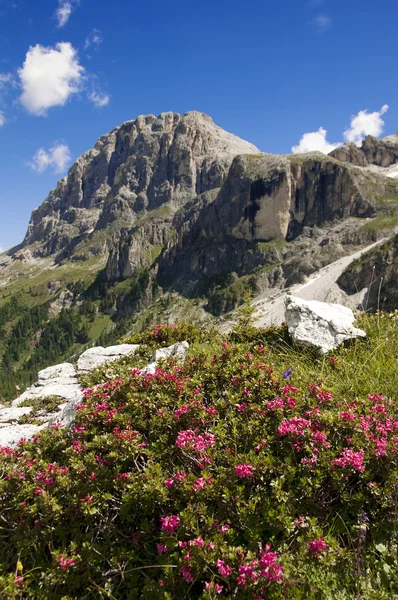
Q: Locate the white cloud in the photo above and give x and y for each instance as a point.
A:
(63, 12)
(2, 118)
(93, 39)
(49, 76)
(364, 124)
(314, 141)
(58, 157)
(99, 99)
(322, 22)
(6, 79)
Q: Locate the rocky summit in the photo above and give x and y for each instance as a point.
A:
(172, 218)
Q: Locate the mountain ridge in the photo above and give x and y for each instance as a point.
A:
(171, 216)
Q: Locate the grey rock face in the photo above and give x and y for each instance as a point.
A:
(376, 274)
(319, 324)
(382, 153)
(350, 153)
(139, 166)
(264, 198)
(94, 357)
(374, 151)
(177, 351)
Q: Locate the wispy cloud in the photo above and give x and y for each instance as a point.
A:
(2, 118)
(58, 158)
(93, 39)
(7, 80)
(99, 99)
(362, 124)
(322, 22)
(63, 12)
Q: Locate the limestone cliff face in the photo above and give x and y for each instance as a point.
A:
(137, 167)
(374, 151)
(377, 272)
(264, 198)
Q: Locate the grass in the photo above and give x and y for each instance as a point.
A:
(362, 367)
(101, 324)
(152, 253)
(380, 223)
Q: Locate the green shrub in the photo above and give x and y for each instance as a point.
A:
(166, 335)
(230, 477)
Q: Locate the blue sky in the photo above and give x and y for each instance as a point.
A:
(269, 72)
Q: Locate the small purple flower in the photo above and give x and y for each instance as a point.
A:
(287, 373)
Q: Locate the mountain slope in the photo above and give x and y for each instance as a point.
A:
(170, 216)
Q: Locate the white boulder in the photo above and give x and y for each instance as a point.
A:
(178, 351)
(61, 371)
(13, 413)
(320, 324)
(94, 357)
(11, 434)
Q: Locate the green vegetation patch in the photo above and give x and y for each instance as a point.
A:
(255, 470)
(380, 223)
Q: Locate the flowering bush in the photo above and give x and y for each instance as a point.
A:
(219, 478)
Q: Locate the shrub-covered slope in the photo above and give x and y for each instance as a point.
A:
(254, 470)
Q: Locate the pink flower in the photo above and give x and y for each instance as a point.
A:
(169, 482)
(317, 546)
(217, 588)
(221, 528)
(271, 570)
(188, 440)
(186, 574)
(87, 499)
(64, 562)
(181, 411)
(162, 548)
(349, 458)
(223, 568)
(18, 580)
(296, 425)
(170, 523)
(198, 542)
(244, 471)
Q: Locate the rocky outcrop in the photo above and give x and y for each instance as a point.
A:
(264, 198)
(382, 153)
(139, 166)
(61, 381)
(374, 151)
(350, 153)
(375, 273)
(97, 356)
(320, 325)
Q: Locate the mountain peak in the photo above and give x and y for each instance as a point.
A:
(138, 166)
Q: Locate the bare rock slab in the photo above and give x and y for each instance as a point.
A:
(319, 324)
(61, 371)
(94, 357)
(11, 434)
(178, 351)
